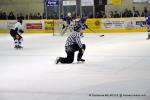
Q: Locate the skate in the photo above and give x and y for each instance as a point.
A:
(148, 37)
(18, 47)
(57, 60)
(81, 60)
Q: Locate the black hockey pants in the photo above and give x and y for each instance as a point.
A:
(15, 35)
(70, 50)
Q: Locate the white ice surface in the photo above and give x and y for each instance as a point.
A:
(115, 64)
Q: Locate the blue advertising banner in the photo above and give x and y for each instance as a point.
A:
(52, 2)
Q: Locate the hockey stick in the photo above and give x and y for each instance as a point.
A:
(95, 32)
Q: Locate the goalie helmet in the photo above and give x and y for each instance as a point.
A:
(69, 14)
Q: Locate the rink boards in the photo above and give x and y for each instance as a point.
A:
(96, 25)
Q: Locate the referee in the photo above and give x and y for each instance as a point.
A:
(73, 44)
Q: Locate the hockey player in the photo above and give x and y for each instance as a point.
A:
(16, 32)
(82, 24)
(67, 24)
(72, 45)
(148, 26)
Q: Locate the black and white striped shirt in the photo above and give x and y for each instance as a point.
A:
(74, 38)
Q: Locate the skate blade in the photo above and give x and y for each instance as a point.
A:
(18, 48)
(80, 62)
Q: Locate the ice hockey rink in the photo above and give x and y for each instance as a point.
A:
(117, 67)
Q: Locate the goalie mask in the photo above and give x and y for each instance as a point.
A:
(69, 14)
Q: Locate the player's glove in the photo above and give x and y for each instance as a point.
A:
(85, 26)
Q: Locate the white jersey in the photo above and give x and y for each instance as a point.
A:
(18, 25)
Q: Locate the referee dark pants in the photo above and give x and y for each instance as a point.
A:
(70, 50)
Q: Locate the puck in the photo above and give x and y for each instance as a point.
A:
(101, 35)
